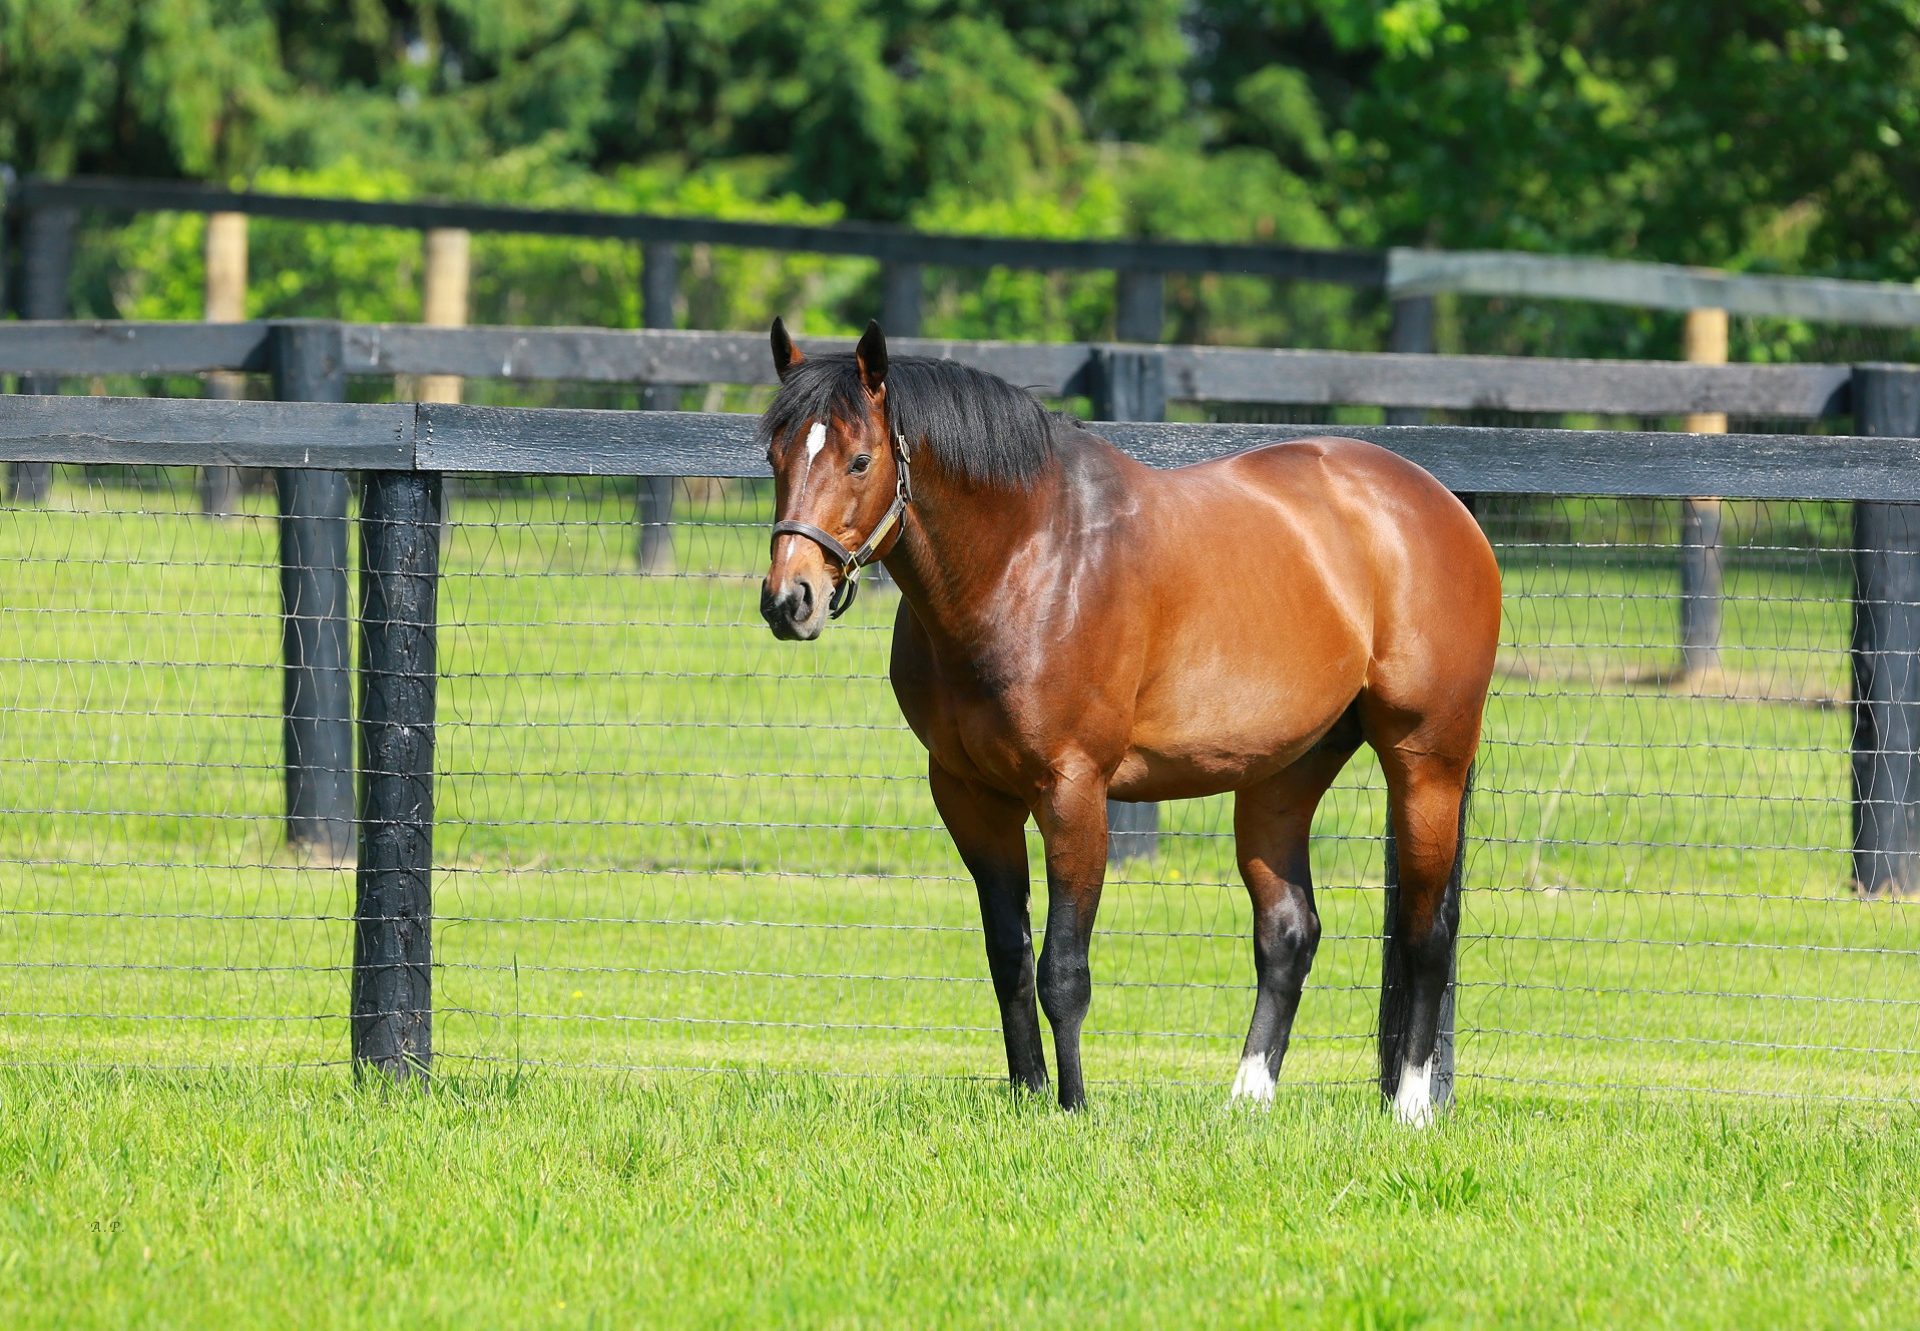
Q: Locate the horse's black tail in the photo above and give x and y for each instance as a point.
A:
(1396, 994)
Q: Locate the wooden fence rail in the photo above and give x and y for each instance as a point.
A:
(49, 350)
(1137, 264)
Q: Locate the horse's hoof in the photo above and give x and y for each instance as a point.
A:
(1416, 1117)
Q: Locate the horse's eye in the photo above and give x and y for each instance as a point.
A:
(860, 464)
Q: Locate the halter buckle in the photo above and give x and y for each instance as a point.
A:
(843, 595)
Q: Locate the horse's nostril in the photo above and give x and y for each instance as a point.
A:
(806, 600)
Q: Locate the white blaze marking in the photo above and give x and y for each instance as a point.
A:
(1413, 1102)
(816, 440)
(1253, 1082)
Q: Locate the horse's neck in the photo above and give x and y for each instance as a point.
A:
(978, 563)
(957, 548)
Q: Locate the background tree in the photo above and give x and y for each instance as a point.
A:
(1778, 134)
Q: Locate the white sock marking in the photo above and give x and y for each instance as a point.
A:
(1253, 1082)
(1413, 1102)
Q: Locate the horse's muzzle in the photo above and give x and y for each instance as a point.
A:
(797, 613)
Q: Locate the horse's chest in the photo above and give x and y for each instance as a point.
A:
(992, 731)
(982, 737)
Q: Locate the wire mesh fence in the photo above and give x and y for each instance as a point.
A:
(150, 913)
(666, 840)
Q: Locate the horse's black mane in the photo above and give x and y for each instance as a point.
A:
(982, 428)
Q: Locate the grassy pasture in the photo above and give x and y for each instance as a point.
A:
(153, 1200)
(668, 842)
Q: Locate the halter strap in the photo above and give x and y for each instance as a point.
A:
(852, 561)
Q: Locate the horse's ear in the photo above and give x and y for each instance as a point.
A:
(871, 357)
(785, 354)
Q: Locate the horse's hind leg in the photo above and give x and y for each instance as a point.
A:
(1271, 822)
(1426, 797)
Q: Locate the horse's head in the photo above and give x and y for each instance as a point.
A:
(841, 483)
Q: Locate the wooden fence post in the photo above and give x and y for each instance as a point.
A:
(900, 289)
(9, 238)
(1139, 306)
(1128, 384)
(1411, 332)
(1886, 653)
(446, 282)
(11, 224)
(659, 292)
(1705, 343)
(449, 266)
(317, 692)
(225, 302)
(392, 998)
(47, 268)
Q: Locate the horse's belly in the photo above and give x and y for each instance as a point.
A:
(1163, 776)
(1232, 740)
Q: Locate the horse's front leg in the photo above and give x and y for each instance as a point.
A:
(1072, 814)
(989, 831)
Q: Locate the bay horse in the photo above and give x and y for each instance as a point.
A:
(1076, 626)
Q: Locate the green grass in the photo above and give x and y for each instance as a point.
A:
(667, 842)
(762, 1199)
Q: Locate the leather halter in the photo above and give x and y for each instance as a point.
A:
(852, 561)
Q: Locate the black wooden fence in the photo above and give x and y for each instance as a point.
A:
(404, 449)
(44, 213)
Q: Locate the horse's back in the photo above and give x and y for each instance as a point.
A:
(1334, 468)
(1389, 512)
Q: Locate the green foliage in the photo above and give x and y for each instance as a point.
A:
(1678, 131)
(178, 84)
(1278, 105)
(1777, 136)
(1006, 303)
